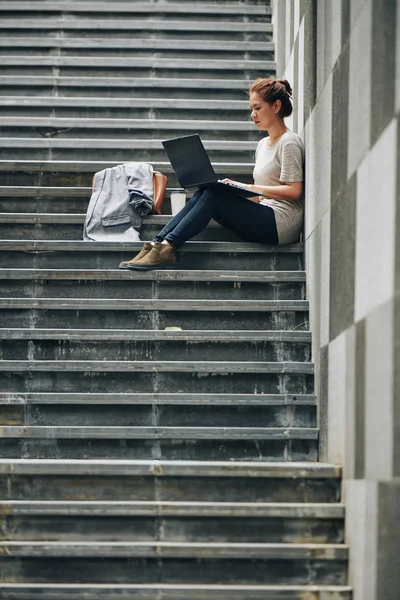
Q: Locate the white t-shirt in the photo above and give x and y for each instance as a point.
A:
(275, 165)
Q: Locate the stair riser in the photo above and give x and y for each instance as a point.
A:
(247, 71)
(122, 90)
(131, 570)
(162, 382)
(15, 349)
(74, 232)
(200, 290)
(164, 416)
(180, 52)
(189, 489)
(218, 449)
(184, 529)
(40, 151)
(91, 258)
(81, 179)
(211, 113)
(79, 206)
(142, 132)
(121, 319)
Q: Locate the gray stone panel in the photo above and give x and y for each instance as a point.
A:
(292, 32)
(383, 65)
(396, 388)
(345, 22)
(323, 402)
(379, 393)
(388, 550)
(342, 259)
(375, 226)
(340, 116)
(359, 89)
(310, 15)
(351, 416)
(359, 433)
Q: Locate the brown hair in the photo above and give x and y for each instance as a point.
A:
(271, 90)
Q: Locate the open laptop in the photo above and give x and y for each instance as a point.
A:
(193, 168)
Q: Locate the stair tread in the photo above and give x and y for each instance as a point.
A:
(208, 335)
(132, 24)
(158, 549)
(315, 510)
(158, 366)
(127, 81)
(88, 166)
(123, 143)
(17, 398)
(135, 7)
(122, 123)
(123, 102)
(131, 43)
(174, 592)
(165, 468)
(62, 245)
(157, 432)
(162, 275)
(154, 304)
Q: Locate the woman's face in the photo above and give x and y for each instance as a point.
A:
(263, 113)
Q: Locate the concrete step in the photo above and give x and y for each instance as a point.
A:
(205, 481)
(124, 46)
(139, 66)
(67, 200)
(126, 86)
(31, 591)
(228, 285)
(123, 150)
(135, 443)
(96, 47)
(58, 378)
(51, 179)
(132, 107)
(192, 255)
(184, 22)
(225, 7)
(69, 226)
(76, 127)
(171, 522)
(208, 563)
(227, 410)
(78, 344)
(83, 313)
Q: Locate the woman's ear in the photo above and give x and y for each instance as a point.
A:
(277, 106)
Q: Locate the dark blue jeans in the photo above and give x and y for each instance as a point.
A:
(250, 221)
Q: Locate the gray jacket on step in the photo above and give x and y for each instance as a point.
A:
(121, 196)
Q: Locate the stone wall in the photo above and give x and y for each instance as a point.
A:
(344, 63)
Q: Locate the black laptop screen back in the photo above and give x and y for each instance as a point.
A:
(189, 160)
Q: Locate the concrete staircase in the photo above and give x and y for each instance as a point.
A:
(137, 461)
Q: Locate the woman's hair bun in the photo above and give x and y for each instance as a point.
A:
(286, 84)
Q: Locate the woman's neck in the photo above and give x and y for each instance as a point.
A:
(275, 132)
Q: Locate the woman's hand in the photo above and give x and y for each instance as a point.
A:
(246, 185)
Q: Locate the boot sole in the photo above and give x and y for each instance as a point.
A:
(149, 267)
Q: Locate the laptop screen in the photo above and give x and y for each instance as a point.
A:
(189, 160)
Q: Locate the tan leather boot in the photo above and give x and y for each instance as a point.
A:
(125, 264)
(161, 256)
